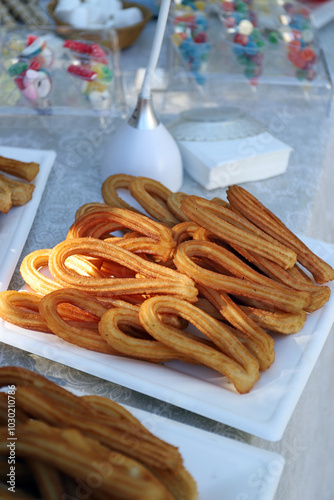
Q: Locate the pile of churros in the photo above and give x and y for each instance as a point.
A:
(230, 268)
(68, 446)
(14, 192)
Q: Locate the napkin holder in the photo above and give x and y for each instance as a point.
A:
(224, 146)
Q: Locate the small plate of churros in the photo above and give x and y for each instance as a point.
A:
(75, 442)
(23, 175)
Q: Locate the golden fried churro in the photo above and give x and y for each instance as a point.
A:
(86, 267)
(230, 357)
(22, 478)
(300, 274)
(107, 421)
(206, 306)
(174, 204)
(112, 329)
(258, 341)
(67, 451)
(82, 335)
(20, 415)
(244, 282)
(319, 294)
(94, 224)
(21, 309)
(280, 322)
(23, 170)
(48, 480)
(253, 210)
(21, 192)
(153, 196)
(89, 207)
(221, 202)
(169, 281)
(109, 409)
(97, 224)
(236, 229)
(30, 272)
(179, 482)
(115, 434)
(5, 197)
(184, 231)
(109, 191)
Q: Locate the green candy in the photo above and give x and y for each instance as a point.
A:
(107, 74)
(301, 74)
(273, 37)
(256, 34)
(249, 73)
(18, 68)
(260, 44)
(243, 59)
(243, 8)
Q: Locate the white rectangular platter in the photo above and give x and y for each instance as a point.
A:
(222, 468)
(16, 224)
(264, 412)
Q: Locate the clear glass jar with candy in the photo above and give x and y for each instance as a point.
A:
(60, 71)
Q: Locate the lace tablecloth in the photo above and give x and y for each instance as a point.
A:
(302, 198)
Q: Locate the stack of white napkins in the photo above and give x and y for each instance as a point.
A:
(220, 153)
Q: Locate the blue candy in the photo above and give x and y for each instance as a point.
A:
(251, 48)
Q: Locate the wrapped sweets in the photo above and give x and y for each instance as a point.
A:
(90, 64)
(240, 21)
(31, 69)
(299, 35)
(191, 38)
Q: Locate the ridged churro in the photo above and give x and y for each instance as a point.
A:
(252, 209)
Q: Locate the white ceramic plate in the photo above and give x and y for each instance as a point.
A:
(223, 468)
(264, 412)
(16, 224)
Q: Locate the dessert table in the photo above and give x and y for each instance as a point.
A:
(302, 197)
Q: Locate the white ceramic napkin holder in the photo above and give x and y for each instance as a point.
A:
(224, 146)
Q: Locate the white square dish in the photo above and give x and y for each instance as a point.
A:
(16, 224)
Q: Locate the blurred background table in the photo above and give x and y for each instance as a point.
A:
(303, 198)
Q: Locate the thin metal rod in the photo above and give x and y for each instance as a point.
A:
(156, 48)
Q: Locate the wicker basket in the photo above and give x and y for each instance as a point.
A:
(126, 36)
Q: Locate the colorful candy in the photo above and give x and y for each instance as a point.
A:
(34, 47)
(30, 71)
(298, 35)
(36, 84)
(99, 54)
(189, 5)
(191, 38)
(82, 72)
(240, 21)
(92, 67)
(80, 47)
